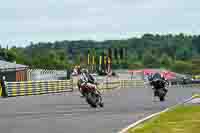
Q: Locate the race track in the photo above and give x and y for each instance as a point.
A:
(68, 113)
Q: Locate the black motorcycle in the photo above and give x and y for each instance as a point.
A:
(159, 87)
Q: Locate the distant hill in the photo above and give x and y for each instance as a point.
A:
(165, 51)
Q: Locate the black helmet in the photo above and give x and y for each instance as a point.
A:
(157, 76)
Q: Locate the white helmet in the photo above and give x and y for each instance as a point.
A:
(84, 71)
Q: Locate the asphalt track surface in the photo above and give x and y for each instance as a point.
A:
(68, 113)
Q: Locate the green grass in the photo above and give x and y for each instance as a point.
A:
(183, 119)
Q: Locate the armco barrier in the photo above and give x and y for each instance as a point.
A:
(116, 83)
(186, 86)
(110, 85)
(122, 84)
(196, 85)
(37, 87)
(131, 83)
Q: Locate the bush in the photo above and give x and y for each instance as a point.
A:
(182, 67)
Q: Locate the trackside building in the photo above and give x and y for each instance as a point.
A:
(13, 71)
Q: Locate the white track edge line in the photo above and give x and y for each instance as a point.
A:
(124, 130)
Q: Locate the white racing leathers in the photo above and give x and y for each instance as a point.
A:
(85, 81)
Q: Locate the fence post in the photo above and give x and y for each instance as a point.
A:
(68, 74)
(3, 89)
(72, 84)
(106, 82)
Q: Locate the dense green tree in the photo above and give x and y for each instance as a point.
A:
(150, 60)
(166, 61)
(147, 51)
(182, 67)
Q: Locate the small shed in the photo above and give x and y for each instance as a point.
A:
(13, 71)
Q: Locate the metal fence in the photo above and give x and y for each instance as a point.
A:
(42, 74)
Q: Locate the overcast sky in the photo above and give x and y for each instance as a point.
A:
(22, 21)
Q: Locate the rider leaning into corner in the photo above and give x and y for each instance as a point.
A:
(87, 79)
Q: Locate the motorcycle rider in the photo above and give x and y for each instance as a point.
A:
(157, 76)
(87, 80)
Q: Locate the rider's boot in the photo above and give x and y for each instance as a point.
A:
(82, 93)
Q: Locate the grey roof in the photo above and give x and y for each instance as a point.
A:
(9, 65)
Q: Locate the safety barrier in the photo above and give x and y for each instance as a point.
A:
(37, 87)
(131, 83)
(196, 85)
(186, 86)
(110, 85)
(122, 84)
(24, 88)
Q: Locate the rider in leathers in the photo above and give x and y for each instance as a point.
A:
(162, 78)
(87, 79)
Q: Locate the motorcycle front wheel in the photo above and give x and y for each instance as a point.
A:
(162, 98)
(92, 99)
(162, 94)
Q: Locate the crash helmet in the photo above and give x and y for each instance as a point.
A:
(84, 71)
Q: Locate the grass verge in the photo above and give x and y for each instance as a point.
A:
(182, 119)
(196, 96)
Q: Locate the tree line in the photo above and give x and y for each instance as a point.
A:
(179, 53)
